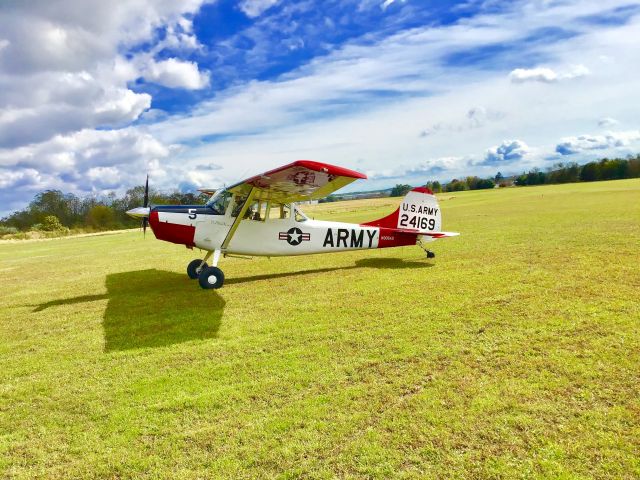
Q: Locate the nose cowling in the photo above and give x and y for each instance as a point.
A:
(139, 212)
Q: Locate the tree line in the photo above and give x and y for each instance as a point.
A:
(58, 212)
(604, 169)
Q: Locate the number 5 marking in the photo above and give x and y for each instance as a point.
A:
(192, 213)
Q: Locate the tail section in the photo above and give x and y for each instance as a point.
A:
(417, 218)
(419, 213)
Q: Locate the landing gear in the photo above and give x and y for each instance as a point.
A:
(195, 267)
(211, 277)
(208, 276)
(429, 253)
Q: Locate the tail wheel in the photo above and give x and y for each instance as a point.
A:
(211, 277)
(194, 268)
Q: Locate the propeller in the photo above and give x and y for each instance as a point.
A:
(145, 220)
(142, 212)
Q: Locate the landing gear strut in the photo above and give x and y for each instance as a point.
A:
(429, 253)
(208, 276)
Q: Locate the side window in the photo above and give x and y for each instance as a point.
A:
(257, 211)
(263, 211)
(237, 205)
(279, 211)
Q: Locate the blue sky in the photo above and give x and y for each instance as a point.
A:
(94, 96)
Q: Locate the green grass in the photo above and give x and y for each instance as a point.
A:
(515, 354)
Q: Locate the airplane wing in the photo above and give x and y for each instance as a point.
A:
(298, 181)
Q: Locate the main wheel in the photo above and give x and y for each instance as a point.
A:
(194, 269)
(211, 277)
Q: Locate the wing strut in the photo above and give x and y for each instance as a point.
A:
(236, 222)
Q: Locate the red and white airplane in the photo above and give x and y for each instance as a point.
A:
(260, 217)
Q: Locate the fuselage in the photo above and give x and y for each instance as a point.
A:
(198, 226)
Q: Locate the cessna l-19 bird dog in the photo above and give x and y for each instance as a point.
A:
(260, 217)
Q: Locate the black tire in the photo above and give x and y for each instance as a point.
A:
(211, 277)
(193, 269)
(430, 254)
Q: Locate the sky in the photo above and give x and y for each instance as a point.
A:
(94, 95)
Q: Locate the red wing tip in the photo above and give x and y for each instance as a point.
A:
(329, 169)
(423, 190)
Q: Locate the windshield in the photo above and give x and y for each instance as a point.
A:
(300, 216)
(219, 202)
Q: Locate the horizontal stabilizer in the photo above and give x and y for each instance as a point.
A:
(440, 234)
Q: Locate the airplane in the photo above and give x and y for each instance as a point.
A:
(260, 216)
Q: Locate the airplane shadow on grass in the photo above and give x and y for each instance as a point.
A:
(155, 308)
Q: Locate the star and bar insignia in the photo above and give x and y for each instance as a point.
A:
(294, 236)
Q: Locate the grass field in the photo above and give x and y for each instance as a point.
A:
(514, 354)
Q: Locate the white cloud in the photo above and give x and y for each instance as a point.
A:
(104, 177)
(175, 73)
(80, 151)
(428, 169)
(509, 151)
(582, 143)
(63, 66)
(520, 75)
(606, 122)
(16, 179)
(179, 37)
(546, 75)
(386, 4)
(255, 8)
(63, 103)
(576, 71)
(476, 117)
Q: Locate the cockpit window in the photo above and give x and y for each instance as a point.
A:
(219, 202)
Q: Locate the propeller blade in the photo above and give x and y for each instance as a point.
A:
(145, 221)
(146, 192)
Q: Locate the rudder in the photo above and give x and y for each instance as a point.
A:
(419, 212)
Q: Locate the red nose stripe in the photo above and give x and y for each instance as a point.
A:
(172, 232)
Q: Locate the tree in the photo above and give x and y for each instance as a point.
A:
(536, 177)
(434, 186)
(400, 190)
(485, 183)
(477, 183)
(634, 167)
(101, 217)
(50, 223)
(50, 202)
(589, 172)
(521, 180)
(456, 185)
(498, 178)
